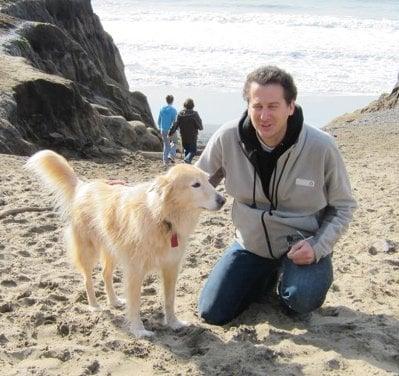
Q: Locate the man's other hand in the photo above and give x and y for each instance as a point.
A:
(302, 253)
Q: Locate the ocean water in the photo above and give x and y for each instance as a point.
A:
(204, 49)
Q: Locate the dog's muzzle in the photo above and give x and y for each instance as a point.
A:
(220, 200)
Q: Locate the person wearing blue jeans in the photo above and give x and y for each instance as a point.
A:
(292, 201)
(167, 116)
(169, 151)
(241, 277)
(190, 150)
(189, 123)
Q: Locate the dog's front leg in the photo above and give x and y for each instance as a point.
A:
(133, 293)
(169, 274)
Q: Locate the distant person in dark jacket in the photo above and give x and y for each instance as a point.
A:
(189, 123)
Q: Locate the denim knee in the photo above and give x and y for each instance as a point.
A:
(301, 301)
(214, 316)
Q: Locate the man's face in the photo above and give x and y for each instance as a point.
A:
(269, 112)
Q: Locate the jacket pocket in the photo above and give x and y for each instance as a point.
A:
(249, 228)
(256, 229)
(281, 228)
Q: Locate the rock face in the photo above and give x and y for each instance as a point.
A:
(62, 84)
(385, 101)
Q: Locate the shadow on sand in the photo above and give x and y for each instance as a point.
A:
(353, 334)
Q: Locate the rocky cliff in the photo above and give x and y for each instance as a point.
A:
(63, 86)
(384, 102)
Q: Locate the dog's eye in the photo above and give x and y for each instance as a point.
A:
(196, 185)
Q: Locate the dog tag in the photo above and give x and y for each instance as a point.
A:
(173, 240)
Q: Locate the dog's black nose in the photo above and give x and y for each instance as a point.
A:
(220, 200)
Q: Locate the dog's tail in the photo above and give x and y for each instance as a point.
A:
(57, 175)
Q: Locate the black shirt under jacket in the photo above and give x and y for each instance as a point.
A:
(263, 161)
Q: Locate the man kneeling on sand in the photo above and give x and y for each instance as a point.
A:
(292, 201)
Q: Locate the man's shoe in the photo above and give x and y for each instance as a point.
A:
(171, 159)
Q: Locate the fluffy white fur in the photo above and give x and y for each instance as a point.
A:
(132, 226)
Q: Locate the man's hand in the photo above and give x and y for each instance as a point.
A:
(302, 253)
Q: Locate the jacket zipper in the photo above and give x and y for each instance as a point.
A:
(275, 188)
(267, 234)
(271, 200)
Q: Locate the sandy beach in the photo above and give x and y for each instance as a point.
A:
(46, 327)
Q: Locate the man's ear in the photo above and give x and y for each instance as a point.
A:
(291, 107)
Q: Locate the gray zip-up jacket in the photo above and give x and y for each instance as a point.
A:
(312, 196)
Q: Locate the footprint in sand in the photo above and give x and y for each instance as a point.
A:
(62, 355)
(58, 297)
(6, 307)
(24, 253)
(28, 302)
(23, 278)
(15, 220)
(191, 261)
(3, 339)
(43, 319)
(8, 283)
(40, 229)
(207, 240)
(219, 243)
(48, 285)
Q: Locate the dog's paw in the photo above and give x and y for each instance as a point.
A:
(140, 332)
(177, 324)
(117, 303)
(94, 308)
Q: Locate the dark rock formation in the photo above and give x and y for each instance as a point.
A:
(69, 92)
(385, 101)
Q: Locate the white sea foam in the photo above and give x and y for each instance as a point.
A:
(336, 48)
(330, 50)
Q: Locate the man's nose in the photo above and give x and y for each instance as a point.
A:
(265, 114)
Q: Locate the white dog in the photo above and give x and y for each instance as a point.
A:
(142, 228)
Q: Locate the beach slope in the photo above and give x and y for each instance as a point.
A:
(46, 327)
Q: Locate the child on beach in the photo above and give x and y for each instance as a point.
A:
(189, 123)
(167, 116)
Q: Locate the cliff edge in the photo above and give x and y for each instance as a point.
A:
(63, 86)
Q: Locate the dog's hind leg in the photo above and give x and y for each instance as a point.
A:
(135, 279)
(169, 274)
(85, 258)
(108, 268)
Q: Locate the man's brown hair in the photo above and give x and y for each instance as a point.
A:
(270, 74)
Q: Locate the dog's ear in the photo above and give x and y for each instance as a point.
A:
(163, 186)
(159, 193)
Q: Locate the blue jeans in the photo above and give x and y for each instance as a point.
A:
(240, 278)
(168, 151)
(189, 152)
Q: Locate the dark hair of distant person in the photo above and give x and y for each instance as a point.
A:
(270, 74)
(188, 104)
(169, 99)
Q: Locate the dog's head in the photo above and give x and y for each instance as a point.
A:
(187, 186)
